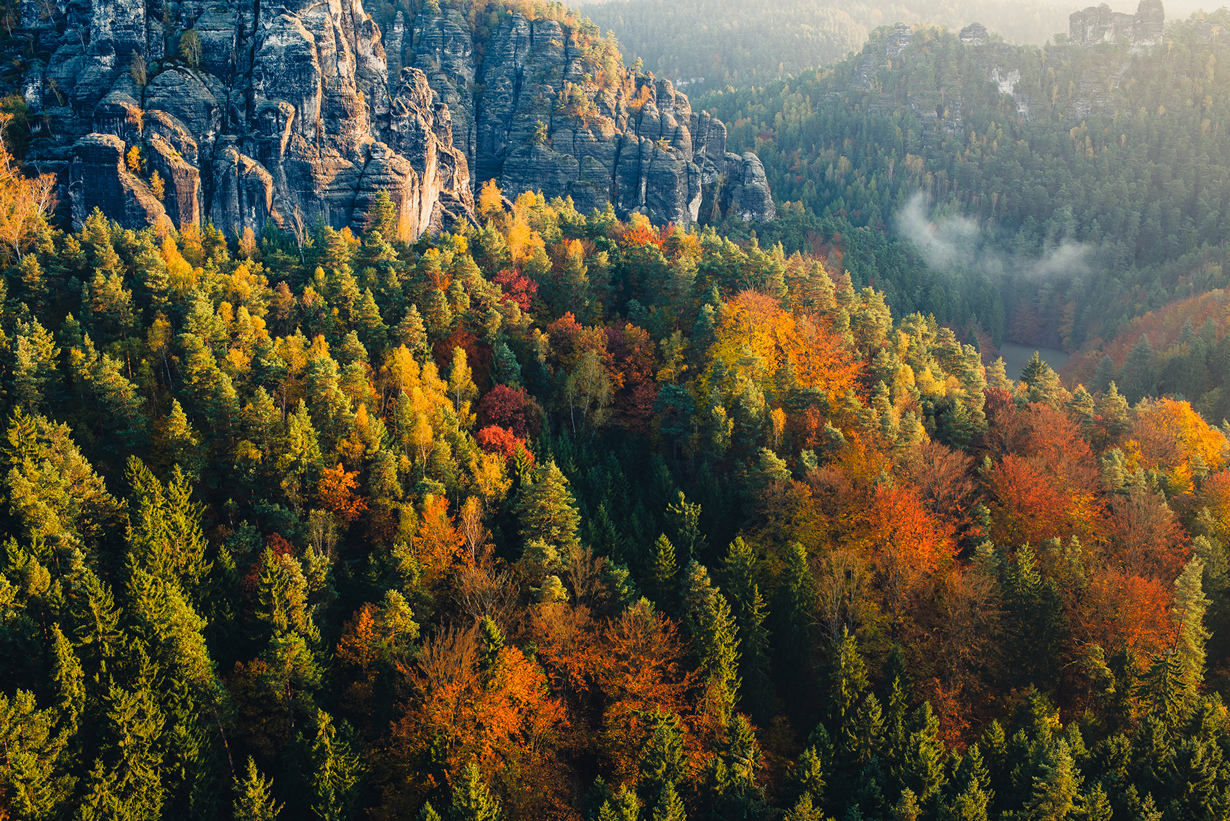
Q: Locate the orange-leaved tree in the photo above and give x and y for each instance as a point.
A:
(337, 493)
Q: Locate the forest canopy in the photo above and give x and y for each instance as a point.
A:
(561, 516)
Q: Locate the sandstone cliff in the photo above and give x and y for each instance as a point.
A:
(295, 111)
(542, 121)
(1098, 24)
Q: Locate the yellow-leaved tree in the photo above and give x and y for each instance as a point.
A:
(24, 201)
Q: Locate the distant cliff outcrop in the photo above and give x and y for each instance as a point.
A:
(244, 112)
(1098, 24)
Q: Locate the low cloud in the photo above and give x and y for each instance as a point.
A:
(958, 242)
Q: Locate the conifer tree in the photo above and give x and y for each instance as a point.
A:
(1190, 605)
(669, 806)
(335, 771)
(547, 511)
(32, 781)
(804, 809)
(664, 570)
(428, 813)
(68, 679)
(1140, 371)
(716, 637)
(127, 779)
(412, 332)
(254, 796)
(472, 801)
(662, 760)
(1056, 787)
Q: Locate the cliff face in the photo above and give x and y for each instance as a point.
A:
(541, 122)
(277, 111)
(296, 111)
(1098, 24)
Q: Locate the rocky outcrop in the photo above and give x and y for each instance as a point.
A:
(543, 122)
(243, 112)
(286, 113)
(1098, 24)
(99, 178)
(975, 34)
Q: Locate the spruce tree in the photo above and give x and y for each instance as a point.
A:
(1190, 605)
(1140, 371)
(254, 796)
(663, 571)
(662, 760)
(472, 801)
(1056, 787)
(428, 813)
(669, 806)
(335, 772)
(546, 509)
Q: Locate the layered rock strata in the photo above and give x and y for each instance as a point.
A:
(245, 112)
(279, 112)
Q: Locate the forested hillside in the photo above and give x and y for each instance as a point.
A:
(713, 43)
(565, 517)
(1067, 190)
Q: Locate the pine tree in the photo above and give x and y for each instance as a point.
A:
(669, 806)
(335, 773)
(547, 510)
(1056, 788)
(1190, 605)
(1140, 371)
(664, 570)
(472, 801)
(662, 760)
(428, 813)
(254, 796)
(412, 332)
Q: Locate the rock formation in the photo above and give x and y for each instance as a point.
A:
(242, 112)
(975, 34)
(544, 123)
(1098, 24)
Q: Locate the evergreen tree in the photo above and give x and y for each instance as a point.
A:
(547, 511)
(254, 796)
(662, 760)
(1056, 788)
(1190, 605)
(126, 782)
(664, 570)
(428, 813)
(472, 801)
(1140, 371)
(669, 806)
(335, 772)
